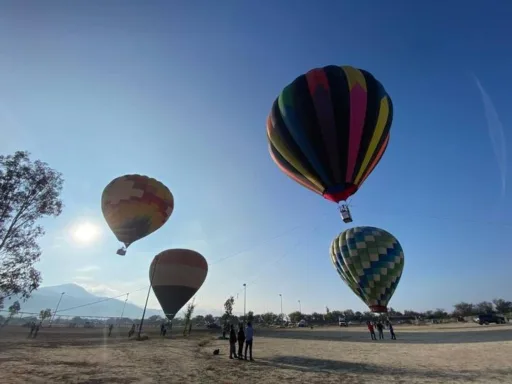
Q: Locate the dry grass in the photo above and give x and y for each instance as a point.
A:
(433, 354)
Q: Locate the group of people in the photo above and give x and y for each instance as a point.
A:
(380, 328)
(242, 337)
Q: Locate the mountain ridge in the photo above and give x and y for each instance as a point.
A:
(78, 301)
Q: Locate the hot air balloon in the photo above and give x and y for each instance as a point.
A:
(328, 130)
(135, 206)
(370, 261)
(176, 275)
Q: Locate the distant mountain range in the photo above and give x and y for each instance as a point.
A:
(78, 302)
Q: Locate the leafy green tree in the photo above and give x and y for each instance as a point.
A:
(502, 306)
(45, 314)
(29, 191)
(14, 309)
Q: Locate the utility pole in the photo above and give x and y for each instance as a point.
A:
(122, 312)
(56, 309)
(245, 297)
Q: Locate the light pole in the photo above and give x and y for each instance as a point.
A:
(56, 309)
(300, 308)
(282, 317)
(122, 312)
(245, 297)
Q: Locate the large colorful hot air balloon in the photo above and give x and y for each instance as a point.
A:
(135, 206)
(328, 130)
(176, 275)
(370, 261)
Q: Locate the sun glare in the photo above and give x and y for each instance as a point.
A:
(85, 233)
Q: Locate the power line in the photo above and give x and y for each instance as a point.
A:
(101, 300)
(259, 243)
(285, 254)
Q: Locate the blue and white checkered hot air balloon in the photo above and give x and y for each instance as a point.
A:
(370, 261)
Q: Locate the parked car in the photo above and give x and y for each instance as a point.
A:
(343, 323)
(490, 318)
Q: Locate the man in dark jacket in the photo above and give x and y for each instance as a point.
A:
(232, 342)
(241, 339)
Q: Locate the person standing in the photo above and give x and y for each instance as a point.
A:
(32, 328)
(36, 331)
(241, 339)
(249, 336)
(372, 331)
(110, 329)
(232, 342)
(380, 328)
(391, 331)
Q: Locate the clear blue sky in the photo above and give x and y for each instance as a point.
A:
(180, 90)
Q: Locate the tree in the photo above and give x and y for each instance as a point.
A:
(13, 311)
(295, 317)
(440, 313)
(349, 314)
(250, 316)
(155, 319)
(269, 317)
(188, 318)
(463, 309)
(45, 314)
(484, 307)
(29, 191)
(228, 308)
(502, 306)
(209, 318)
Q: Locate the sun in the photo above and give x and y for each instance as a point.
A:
(85, 233)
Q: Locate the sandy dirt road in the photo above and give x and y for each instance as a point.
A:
(428, 354)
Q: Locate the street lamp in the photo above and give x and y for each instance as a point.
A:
(56, 309)
(300, 308)
(245, 297)
(282, 317)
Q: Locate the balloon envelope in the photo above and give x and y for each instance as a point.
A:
(370, 261)
(175, 276)
(329, 128)
(135, 206)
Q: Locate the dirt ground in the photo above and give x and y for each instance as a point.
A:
(428, 354)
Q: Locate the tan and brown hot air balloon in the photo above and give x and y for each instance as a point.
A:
(175, 276)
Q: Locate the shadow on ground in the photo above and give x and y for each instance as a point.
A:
(308, 364)
(494, 335)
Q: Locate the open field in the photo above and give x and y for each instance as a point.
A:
(428, 354)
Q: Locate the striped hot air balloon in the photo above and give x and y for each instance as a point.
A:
(135, 206)
(175, 276)
(329, 128)
(370, 261)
